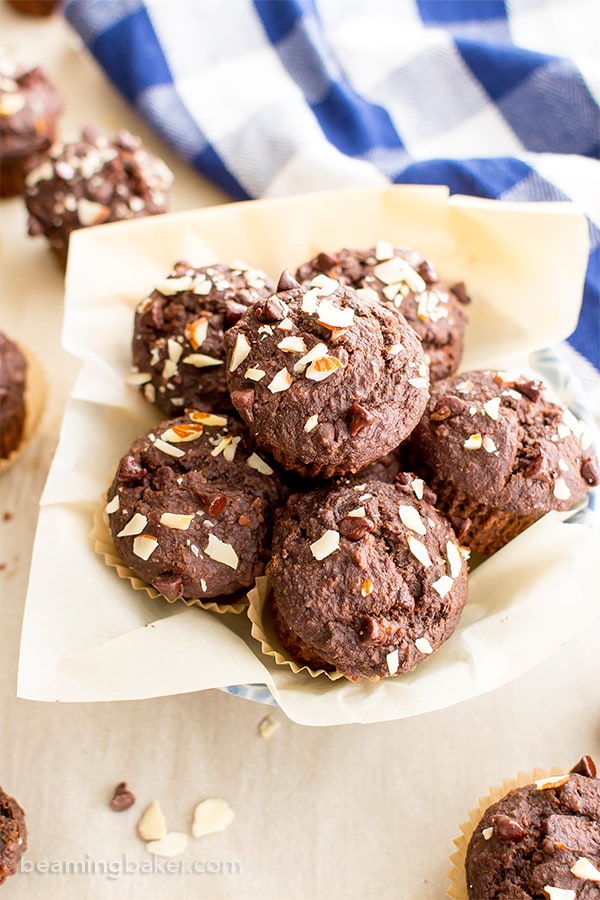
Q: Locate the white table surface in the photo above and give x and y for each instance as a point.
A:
(352, 811)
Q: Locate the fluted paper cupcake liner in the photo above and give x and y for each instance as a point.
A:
(105, 547)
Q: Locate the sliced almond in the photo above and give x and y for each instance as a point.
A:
(443, 585)
(316, 352)
(311, 423)
(327, 544)
(561, 489)
(11, 104)
(182, 433)
(152, 825)
(212, 815)
(221, 552)
(201, 360)
(280, 382)
(358, 513)
(423, 646)
(209, 419)
(418, 550)
(492, 408)
(196, 332)
(383, 250)
(91, 213)
(176, 520)
(487, 833)
(136, 525)
(488, 444)
(292, 344)
(554, 781)
(173, 844)
(393, 661)
(255, 462)
(324, 284)
(332, 316)
(418, 486)
(171, 286)
(366, 587)
(583, 868)
(144, 546)
(168, 449)
(411, 519)
(473, 442)
(267, 727)
(556, 893)
(113, 505)
(241, 349)
(255, 374)
(323, 368)
(454, 557)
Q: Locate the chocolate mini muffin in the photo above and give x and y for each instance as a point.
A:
(541, 840)
(190, 507)
(92, 181)
(499, 455)
(406, 280)
(36, 8)
(13, 374)
(13, 835)
(177, 349)
(368, 579)
(327, 381)
(30, 107)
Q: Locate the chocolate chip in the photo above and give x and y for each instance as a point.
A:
(585, 766)
(355, 527)
(447, 408)
(244, 403)
(538, 469)
(324, 262)
(460, 292)
(460, 525)
(590, 471)
(122, 798)
(214, 504)
(286, 282)
(234, 311)
(170, 586)
(530, 389)
(427, 272)
(270, 310)
(358, 418)
(378, 631)
(508, 830)
(130, 470)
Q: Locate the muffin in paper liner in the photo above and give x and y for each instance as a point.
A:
(104, 546)
(456, 875)
(263, 631)
(36, 395)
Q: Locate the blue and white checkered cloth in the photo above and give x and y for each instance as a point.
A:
(497, 98)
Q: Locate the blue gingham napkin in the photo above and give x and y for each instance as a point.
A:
(497, 98)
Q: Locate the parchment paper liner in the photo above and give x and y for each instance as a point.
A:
(104, 546)
(262, 630)
(456, 875)
(36, 395)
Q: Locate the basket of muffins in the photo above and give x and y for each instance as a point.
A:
(320, 461)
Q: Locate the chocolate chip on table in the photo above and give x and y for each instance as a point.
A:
(508, 830)
(585, 766)
(447, 408)
(122, 798)
(355, 527)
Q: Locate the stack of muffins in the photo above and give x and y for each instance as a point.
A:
(317, 432)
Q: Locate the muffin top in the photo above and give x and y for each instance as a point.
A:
(190, 507)
(326, 381)
(177, 348)
(404, 279)
(495, 438)
(370, 576)
(92, 181)
(541, 840)
(28, 103)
